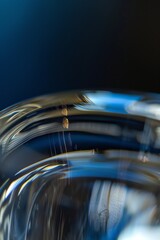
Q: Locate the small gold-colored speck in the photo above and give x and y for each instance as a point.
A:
(65, 111)
(65, 122)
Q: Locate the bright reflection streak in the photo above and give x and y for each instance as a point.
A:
(106, 205)
(142, 200)
(141, 233)
(109, 202)
(23, 186)
(112, 101)
(98, 209)
(105, 98)
(145, 109)
(118, 194)
(14, 185)
(49, 168)
(108, 101)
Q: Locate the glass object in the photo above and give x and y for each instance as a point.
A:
(81, 165)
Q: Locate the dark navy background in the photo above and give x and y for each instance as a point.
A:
(54, 45)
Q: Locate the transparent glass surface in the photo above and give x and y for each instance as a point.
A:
(81, 166)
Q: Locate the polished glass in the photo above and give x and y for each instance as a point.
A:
(81, 166)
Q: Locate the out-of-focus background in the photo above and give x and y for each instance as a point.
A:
(51, 46)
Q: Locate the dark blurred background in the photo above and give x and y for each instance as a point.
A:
(51, 46)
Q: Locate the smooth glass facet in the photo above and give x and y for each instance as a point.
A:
(81, 166)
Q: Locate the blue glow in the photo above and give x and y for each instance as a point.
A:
(113, 102)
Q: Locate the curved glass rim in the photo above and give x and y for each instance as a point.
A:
(138, 103)
(140, 106)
